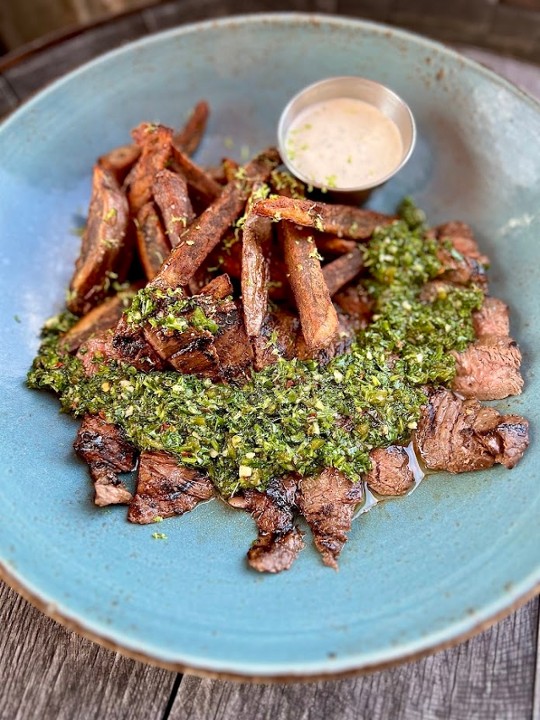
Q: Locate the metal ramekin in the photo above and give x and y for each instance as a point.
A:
(358, 88)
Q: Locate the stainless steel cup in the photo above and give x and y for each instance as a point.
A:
(358, 88)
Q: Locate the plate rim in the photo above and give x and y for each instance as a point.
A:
(495, 611)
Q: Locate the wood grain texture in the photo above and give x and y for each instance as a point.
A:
(49, 673)
(487, 678)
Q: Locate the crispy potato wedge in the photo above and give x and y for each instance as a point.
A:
(171, 195)
(155, 142)
(189, 137)
(152, 244)
(342, 270)
(256, 239)
(197, 178)
(120, 160)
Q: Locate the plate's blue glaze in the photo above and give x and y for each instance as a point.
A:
(416, 572)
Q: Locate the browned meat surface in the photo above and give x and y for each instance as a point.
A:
(461, 269)
(277, 339)
(103, 246)
(279, 541)
(95, 350)
(332, 246)
(327, 501)
(204, 234)
(492, 318)
(155, 142)
(390, 473)
(130, 346)
(462, 435)
(120, 160)
(189, 137)
(356, 304)
(104, 448)
(165, 488)
(103, 317)
(462, 238)
(223, 353)
(342, 220)
(152, 244)
(489, 369)
(171, 195)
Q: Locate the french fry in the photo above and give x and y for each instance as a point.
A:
(103, 243)
(152, 244)
(171, 195)
(197, 178)
(342, 270)
(341, 220)
(256, 238)
(103, 317)
(120, 160)
(230, 168)
(155, 143)
(318, 316)
(328, 245)
(189, 137)
(206, 232)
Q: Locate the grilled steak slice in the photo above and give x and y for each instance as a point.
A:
(489, 369)
(96, 350)
(165, 488)
(103, 247)
(462, 435)
(356, 304)
(462, 238)
(104, 448)
(327, 501)
(130, 346)
(461, 269)
(279, 541)
(277, 338)
(390, 473)
(492, 318)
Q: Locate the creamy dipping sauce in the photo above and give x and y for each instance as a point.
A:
(343, 143)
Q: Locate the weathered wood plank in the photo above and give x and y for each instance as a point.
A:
(35, 71)
(49, 673)
(487, 678)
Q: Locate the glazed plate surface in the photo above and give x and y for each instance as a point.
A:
(417, 573)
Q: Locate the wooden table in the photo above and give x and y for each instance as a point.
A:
(49, 673)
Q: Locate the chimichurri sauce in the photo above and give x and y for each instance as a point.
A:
(294, 415)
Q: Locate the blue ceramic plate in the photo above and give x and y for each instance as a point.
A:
(417, 573)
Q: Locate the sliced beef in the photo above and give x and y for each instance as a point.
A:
(489, 369)
(105, 449)
(277, 338)
(462, 435)
(492, 318)
(279, 541)
(219, 351)
(355, 302)
(461, 269)
(97, 350)
(390, 473)
(130, 346)
(328, 501)
(462, 238)
(165, 488)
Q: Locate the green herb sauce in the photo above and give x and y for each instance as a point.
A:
(294, 415)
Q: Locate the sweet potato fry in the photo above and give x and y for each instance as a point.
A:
(341, 220)
(120, 160)
(318, 316)
(342, 270)
(171, 195)
(205, 233)
(256, 238)
(155, 143)
(152, 244)
(103, 243)
(103, 317)
(189, 137)
(197, 178)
